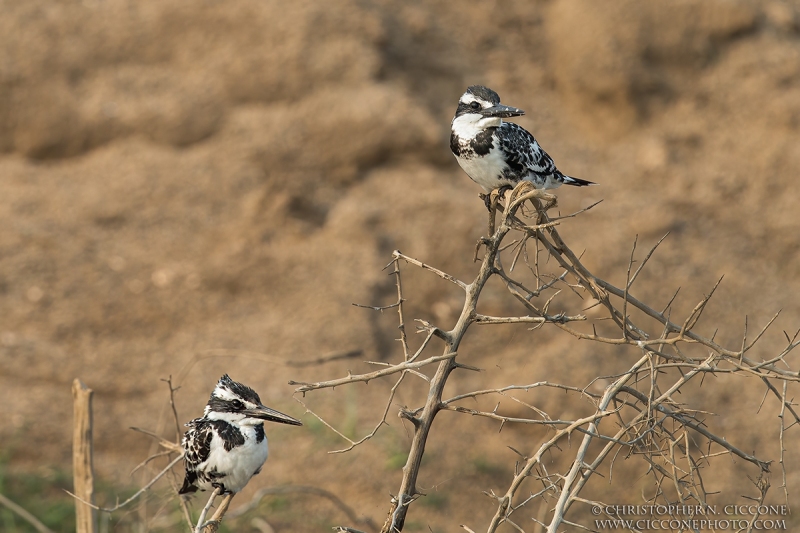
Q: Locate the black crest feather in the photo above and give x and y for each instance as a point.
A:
(239, 389)
(484, 93)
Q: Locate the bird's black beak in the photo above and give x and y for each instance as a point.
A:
(502, 111)
(271, 415)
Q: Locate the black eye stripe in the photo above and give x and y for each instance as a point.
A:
(220, 405)
(470, 106)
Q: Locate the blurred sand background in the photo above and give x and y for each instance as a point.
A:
(189, 188)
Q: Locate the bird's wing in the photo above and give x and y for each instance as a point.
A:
(523, 152)
(197, 446)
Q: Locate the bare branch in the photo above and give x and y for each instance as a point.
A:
(397, 255)
(169, 445)
(782, 462)
(382, 421)
(505, 501)
(645, 260)
(201, 522)
(137, 493)
(402, 326)
(25, 515)
(560, 319)
(212, 525)
(366, 378)
(763, 465)
(172, 390)
(610, 392)
(516, 387)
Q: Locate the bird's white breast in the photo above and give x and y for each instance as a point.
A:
(486, 171)
(239, 464)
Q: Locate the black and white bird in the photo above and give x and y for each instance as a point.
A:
(227, 446)
(497, 154)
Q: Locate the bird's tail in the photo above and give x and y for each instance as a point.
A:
(569, 180)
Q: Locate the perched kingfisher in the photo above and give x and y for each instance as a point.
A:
(227, 446)
(497, 154)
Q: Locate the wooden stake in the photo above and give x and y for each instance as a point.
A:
(83, 473)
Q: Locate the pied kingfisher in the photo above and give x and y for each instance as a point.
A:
(497, 154)
(227, 446)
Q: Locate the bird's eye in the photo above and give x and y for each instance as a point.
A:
(475, 105)
(237, 404)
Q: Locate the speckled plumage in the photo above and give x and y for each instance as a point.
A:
(495, 153)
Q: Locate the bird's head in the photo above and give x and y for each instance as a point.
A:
(234, 402)
(479, 108)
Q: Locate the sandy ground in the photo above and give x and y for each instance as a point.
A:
(190, 188)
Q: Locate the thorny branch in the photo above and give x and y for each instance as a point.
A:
(673, 440)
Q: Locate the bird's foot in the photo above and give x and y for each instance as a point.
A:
(501, 191)
(491, 200)
(220, 488)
